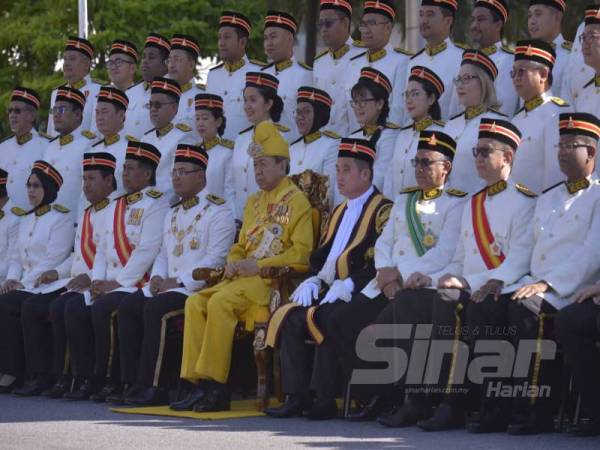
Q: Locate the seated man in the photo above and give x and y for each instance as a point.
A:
(197, 232)
(276, 231)
(342, 265)
(504, 211)
(420, 238)
(566, 230)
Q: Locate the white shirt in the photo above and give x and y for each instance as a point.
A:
(137, 117)
(578, 73)
(9, 231)
(219, 162)
(118, 149)
(186, 111)
(561, 66)
(505, 90)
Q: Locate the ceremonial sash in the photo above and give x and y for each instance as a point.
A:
(122, 245)
(483, 234)
(88, 248)
(415, 226)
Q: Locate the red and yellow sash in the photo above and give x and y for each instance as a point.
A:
(122, 245)
(88, 248)
(483, 234)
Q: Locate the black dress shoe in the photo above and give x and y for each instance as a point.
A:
(36, 387)
(494, 421)
(530, 424)
(323, 409)
(377, 406)
(151, 396)
(85, 390)
(11, 387)
(585, 427)
(107, 391)
(118, 398)
(217, 399)
(295, 405)
(59, 389)
(405, 416)
(195, 396)
(446, 417)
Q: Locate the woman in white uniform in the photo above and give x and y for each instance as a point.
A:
(370, 102)
(261, 103)
(477, 95)
(317, 149)
(423, 91)
(210, 125)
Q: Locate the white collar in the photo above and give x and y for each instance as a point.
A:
(358, 202)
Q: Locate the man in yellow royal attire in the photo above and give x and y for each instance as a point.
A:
(276, 231)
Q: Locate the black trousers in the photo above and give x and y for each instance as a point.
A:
(142, 334)
(12, 355)
(42, 319)
(509, 321)
(80, 335)
(578, 329)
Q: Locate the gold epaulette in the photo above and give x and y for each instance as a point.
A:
(567, 45)
(88, 134)
(133, 198)
(215, 199)
(201, 86)
(258, 62)
(227, 143)
(323, 53)
(525, 190)
(403, 51)
(358, 43)
(461, 46)
(456, 192)
(408, 190)
(18, 211)
(60, 208)
(441, 123)
(507, 50)
(183, 127)
(97, 81)
(560, 102)
(304, 65)
(392, 126)
(153, 193)
(282, 128)
(131, 138)
(331, 134)
(44, 135)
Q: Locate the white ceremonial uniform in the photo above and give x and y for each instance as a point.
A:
(588, 100)
(317, 152)
(509, 214)
(390, 61)
(464, 129)
(401, 174)
(117, 146)
(329, 68)
(196, 233)
(228, 82)
(45, 239)
(439, 211)
(444, 61)
(566, 230)
(144, 216)
(505, 90)
(291, 75)
(384, 151)
(578, 73)
(241, 170)
(563, 53)
(166, 141)
(10, 217)
(17, 156)
(137, 116)
(186, 112)
(220, 153)
(90, 89)
(65, 154)
(536, 160)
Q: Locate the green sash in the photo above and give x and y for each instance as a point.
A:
(421, 240)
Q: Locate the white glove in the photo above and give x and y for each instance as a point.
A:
(307, 291)
(338, 291)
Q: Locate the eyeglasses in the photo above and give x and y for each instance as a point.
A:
(157, 105)
(327, 23)
(571, 147)
(425, 162)
(59, 110)
(518, 73)
(116, 63)
(369, 23)
(303, 112)
(34, 185)
(414, 94)
(182, 172)
(588, 37)
(465, 79)
(484, 152)
(361, 103)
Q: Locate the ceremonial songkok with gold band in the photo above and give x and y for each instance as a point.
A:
(592, 15)
(421, 73)
(3, 177)
(167, 86)
(535, 50)
(383, 7)
(25, 95)
(264, 80)
(561, 5)
(479, 59)
(142, 151)
(80, 45)
(208, 101)
(236, 20)
(338, 5)
(71, 95)
(99, 161)
(579, 124)
(282, 20)
(122, 47)
(369, 74)
(358, 149)
(157, 41)
(44, 169)
(314, 95)
(498, 6)
(267, 141)
(437, 142)
(451, 5)
(500, 130)
(194, 154)
(113, 95)
(185, 42)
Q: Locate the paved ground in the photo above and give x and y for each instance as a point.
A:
(49, 424)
